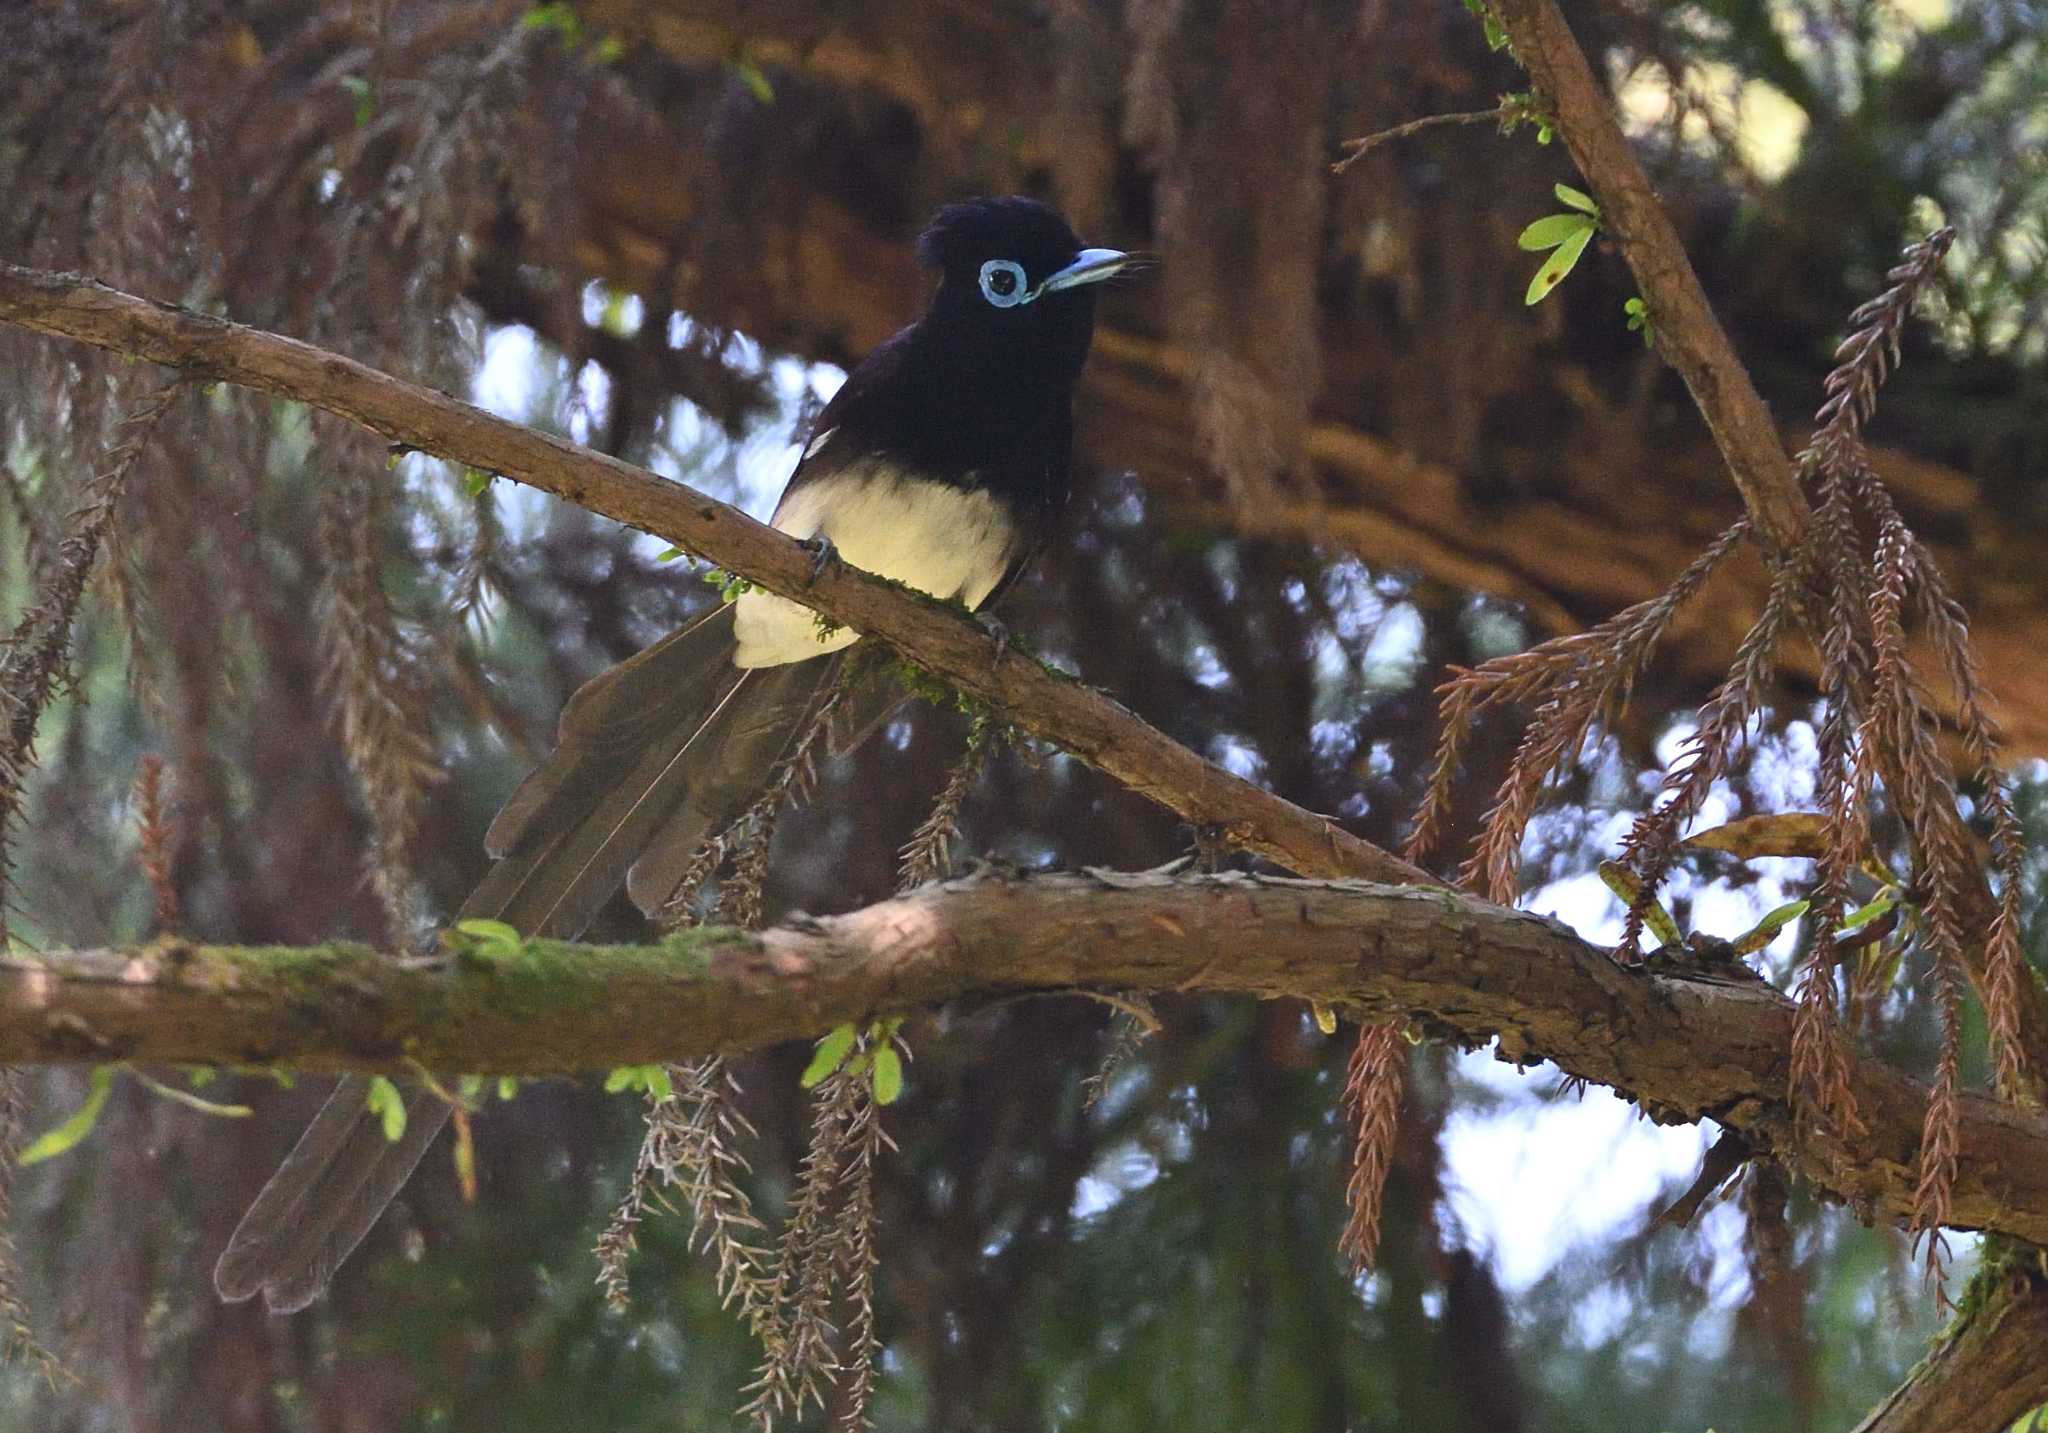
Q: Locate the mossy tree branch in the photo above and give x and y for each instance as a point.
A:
(1985, 1369)
(1455, 967)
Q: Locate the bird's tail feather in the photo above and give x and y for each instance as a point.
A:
(652, 757)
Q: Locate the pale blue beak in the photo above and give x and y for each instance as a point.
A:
(1090, 266)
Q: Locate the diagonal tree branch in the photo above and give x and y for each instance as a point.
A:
(1455, 966)
(1077, 717)
(1985, 1369)
(1689, 337)
(1988, 1368)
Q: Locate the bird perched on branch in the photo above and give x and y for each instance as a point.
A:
(942, 463)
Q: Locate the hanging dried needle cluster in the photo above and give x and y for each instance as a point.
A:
(1857, 576)
(153, 842)
(1372, 1093)
(692, 1148)
(34, 661)
(752, 836)
(827, 1254)
(35, 655)
(928, 854)
(825, 1258)
(373, 682)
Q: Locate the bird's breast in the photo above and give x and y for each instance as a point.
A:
(952, 542)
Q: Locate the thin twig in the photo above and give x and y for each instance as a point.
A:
(1366, 144)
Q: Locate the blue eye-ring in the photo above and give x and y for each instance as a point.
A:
(1003, 283)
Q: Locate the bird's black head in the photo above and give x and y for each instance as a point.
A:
(1015, 281)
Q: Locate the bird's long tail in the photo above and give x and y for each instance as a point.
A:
(653, 757)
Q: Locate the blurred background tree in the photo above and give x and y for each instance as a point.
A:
(1325, 452)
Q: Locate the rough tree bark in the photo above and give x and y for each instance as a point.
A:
(1457, 967)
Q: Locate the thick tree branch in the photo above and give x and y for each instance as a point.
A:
(1078, 718)
(1459, 968)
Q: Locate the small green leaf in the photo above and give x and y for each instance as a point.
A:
(750, 75)
(888, 1075)
(185, 1097)
(560, 18)
(1578, 199)
(55, 1142)
(486, 939)
(1764, 931)
(508, 1086)
(1562, 260)
(1622, 881)
(200, 1076)
(1326, 1018)
(469, 1087)
(1639, 321)
(610, 50)
(657, 1082)
(1880, 963)
(366, 101)
(1864, 915)
(829, 1056)
(388, 1105)
(669, 554)
(1552, 230)
(622, 1077)
(475, 481)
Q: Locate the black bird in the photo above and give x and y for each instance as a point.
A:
(943, 463)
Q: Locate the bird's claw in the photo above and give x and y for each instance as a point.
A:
(1212, 847)
(823, 555)
(998, 633)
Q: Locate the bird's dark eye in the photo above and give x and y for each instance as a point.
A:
(1003, 283)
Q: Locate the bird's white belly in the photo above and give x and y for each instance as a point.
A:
(945, 541)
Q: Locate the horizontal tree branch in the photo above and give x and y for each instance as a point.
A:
(1456, 967)
(1078, 718)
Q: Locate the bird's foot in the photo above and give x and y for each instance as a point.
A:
(823, 556)
(998, 633)
(1212, 847)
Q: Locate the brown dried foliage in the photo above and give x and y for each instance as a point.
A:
(826, 1252)
(928, 854)
(35, 655)
(692, 1148)
(798, 1361)
(1857, 577)
(1578, 681)
(1372, 1092)
(750, 839)
(375, 685)
(153, 842)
